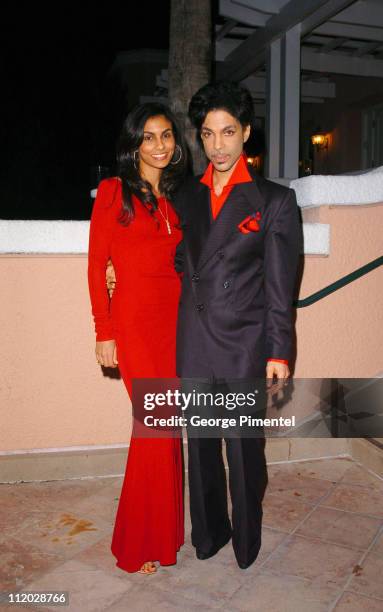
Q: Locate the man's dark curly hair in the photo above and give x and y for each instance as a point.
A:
(222, 95)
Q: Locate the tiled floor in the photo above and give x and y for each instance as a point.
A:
(322, 548)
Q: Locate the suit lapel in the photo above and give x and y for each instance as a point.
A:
(198, 222)
(244, 200)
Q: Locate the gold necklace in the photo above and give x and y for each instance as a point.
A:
(165, 218)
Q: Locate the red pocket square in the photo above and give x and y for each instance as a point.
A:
(250, 224)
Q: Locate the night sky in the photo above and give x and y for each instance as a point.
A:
(60, 112)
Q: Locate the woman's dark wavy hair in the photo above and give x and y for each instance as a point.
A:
(222, 95)
(131, 137)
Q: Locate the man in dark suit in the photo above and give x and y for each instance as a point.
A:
(240, 255)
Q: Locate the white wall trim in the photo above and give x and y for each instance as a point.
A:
(355, 189)
(316, 238)
(71, 237)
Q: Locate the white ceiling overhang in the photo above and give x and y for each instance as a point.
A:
(340, 36)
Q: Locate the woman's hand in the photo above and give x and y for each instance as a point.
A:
(106, 353)
(110, 277)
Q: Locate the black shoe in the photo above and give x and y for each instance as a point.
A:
(213, 551)
(245, 565)
(250, 561)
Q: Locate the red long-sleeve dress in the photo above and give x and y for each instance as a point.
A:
(141, 318)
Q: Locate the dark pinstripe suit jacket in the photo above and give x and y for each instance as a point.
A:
(235, 309)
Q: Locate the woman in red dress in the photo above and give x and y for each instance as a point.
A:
(133, 223)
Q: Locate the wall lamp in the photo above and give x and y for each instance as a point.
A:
(254, 161)
(320, 141)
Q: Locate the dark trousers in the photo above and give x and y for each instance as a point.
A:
(211, 526)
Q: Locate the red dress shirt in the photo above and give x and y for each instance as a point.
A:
(239, 175)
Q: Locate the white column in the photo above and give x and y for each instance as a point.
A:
(290, 102)
(273, 108)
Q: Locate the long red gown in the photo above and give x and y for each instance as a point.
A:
(141, 317)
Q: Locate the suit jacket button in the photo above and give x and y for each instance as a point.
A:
(226, 284)
(195, 277)
(200, 307)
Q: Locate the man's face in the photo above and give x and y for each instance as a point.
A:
(223, 137)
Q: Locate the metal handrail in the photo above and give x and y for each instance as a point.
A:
(345, 280)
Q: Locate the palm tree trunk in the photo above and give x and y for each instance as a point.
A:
(190, 62)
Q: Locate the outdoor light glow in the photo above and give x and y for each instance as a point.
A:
(320, 141)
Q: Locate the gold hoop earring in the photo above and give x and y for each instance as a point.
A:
(173, 163)
(135, 154)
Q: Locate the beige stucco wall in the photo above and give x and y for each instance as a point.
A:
(54, 395)
(342, 335)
